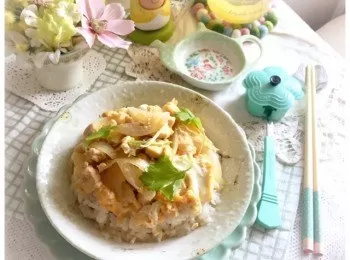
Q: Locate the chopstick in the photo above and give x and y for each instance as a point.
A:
(307, 196)
(311, 212)
(316, 196)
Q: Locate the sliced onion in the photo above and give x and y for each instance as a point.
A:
(175, 143)
(203, 181)
(113, 178)
(140, 116)
(135, 129)
(196, 181)
(154, 138)
(132, 169)
(105, 148)
(105, 165)
(144, 123)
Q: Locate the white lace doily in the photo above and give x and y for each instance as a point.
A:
(21, 80)
(146, 65)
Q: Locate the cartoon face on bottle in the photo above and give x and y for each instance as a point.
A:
(152, 4)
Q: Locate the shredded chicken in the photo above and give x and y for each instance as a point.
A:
(94, 155)
(185, 143)
(109, 166)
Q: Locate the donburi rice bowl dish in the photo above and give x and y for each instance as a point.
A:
(147, 173)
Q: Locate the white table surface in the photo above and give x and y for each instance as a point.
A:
(23, 121)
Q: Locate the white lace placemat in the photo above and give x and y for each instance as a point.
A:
(21, 80)
(23, 121)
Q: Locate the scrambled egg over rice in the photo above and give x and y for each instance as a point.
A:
(146, 173)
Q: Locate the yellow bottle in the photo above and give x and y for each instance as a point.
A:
(239, 11)
(150, 15)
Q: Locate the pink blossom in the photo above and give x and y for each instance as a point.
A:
(104, 23)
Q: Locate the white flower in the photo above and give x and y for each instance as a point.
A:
(68, 10)
(30, 15)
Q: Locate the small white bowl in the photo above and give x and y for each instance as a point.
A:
(176, 57)
(58, 202)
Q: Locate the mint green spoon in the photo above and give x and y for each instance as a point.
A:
(269, 215)
(270, 93)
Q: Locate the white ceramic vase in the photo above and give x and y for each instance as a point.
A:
(65, 75)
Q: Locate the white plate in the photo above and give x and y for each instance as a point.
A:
(53, 170)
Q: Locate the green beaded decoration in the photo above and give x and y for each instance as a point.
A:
(266, 23)
(219, 28)
(270, 16)
(269, 25)
(255, 31)
(210, 25)
(249, 26)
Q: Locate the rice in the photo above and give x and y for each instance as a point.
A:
(127, 229)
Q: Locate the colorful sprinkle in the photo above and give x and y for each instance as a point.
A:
(209, 65)
(236, 33)
(245, 31)
(263, 31)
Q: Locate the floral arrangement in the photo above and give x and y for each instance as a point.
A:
(40, 30)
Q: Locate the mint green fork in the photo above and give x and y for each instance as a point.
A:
(269, 215)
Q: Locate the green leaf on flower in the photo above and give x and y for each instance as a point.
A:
(103, 133)
(186, 116)
(164, 177)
